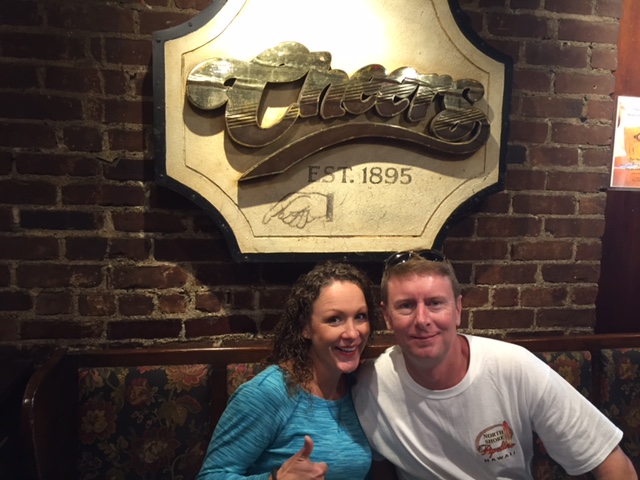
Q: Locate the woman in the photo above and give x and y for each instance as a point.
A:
(296, 420)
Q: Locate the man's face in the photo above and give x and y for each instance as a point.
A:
(424, 315)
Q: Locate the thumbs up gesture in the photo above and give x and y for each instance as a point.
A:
(299, 467)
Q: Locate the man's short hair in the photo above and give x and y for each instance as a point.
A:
(416, 265)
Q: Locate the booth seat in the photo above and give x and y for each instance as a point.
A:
(149, 412)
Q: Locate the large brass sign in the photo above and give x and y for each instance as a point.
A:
(360, 128)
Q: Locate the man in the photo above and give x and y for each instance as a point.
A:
(449, 406)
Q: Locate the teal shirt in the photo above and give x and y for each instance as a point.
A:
(263, 426)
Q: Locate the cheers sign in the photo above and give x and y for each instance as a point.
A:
(438, 110)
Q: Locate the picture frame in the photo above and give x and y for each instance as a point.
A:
(625, 165)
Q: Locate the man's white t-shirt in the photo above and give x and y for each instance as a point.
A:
(483, 427)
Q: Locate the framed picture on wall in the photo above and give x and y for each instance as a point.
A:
(625, 169)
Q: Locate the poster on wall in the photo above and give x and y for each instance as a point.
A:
(625, 170)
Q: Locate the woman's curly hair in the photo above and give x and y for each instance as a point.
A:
(291, 351)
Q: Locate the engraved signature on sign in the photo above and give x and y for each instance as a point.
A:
(438, 112)
(298, 209)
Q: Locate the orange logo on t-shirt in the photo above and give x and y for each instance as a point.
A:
(495, 442)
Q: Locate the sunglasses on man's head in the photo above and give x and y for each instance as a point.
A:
(401, 257)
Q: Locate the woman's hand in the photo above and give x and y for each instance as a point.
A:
(299, 467)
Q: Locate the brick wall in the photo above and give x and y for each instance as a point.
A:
(93, 253)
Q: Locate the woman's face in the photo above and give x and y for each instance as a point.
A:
(338, 329)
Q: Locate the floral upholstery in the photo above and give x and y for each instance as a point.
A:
(574, 367)
(620, 396)
(238, 373)
(149, 422)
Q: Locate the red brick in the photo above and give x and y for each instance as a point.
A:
(503, 318)
(505, 297)
(193, 250)
(59, 329)
(508, 226)
(192, 4)
(542, 250)
(600, 109)
(210, 302)
(47, 275)
(243, 299)
(561, 55)
(148, 277)
(34, 46)
(15, 301)
(548, 106)
(6, 163)
(135, 304)
(580, 7)
(573, 273)
(85, 139)
(148, 222)
(505, 25)
(54, 303)
(151, 21)
(525, 4)
(543, 296)
(528, 131)
(593, 204)
(591, 251)
(96, 17)
(566, 317)
(19, 76)
(497, 203)
(505, 273)
(20, 14)
(544, 204)
(587, 182)
(28, 248)
(97, 304)
(40, 107)
(546, 156)
(173, 303)
(596, 157)
(74, 80)
(5, 276)
(130, 169)
(575, 227)
(129, 140)
(127, 51)
(128, 329)
(115, 82)
(478, 249)
(9, 330)
(228, 274)
(587, 31)
(91, 194)
(6, 220)
(609, 8)
(273, 298)
(581, 134)
(27, 135)
(465, 228)
(219, 326)
(86, 248)
(604, 57)
(55, 164)
(532, 80)
(27, 192)
(60, 220)
(130, 248)
(584, 295)
(592, 84)
(475, 297)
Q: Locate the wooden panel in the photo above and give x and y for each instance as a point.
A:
(618, 302)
